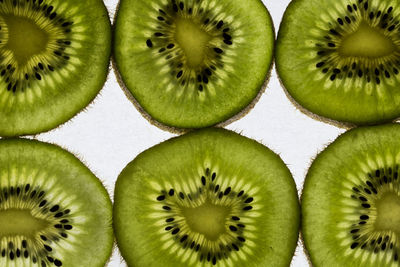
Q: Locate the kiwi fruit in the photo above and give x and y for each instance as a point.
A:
(340, 59)
(54, 58)
(191, 63)
(53, 210)
(209, 197)
(351, 200)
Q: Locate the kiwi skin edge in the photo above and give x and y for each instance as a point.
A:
(301, 242)
(176, 130)
(339, 124)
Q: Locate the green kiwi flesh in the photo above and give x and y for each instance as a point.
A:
(191, 63)
(53, 210)
(340, 59)
(210, 197)
(351, 200)
(54, 58)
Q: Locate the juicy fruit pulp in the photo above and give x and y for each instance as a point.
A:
(54, 57)
(53, 210)
(210, 197)
(344, 64)
(351, 200)
(191, 64)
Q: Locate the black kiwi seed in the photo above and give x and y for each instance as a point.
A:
(232, 228)
(249, 200)
(175, 231)
(354, 245)
(218, 50)
(216, 188)
(58, 215)
(42, 203)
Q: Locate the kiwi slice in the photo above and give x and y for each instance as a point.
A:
(210, 197)
(192, 63)
(340, 59)
(53, 210)
(351, 200)
(54, 58)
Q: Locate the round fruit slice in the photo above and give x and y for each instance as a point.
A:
(340, 59)
(207, 198)
(53, 210)
(54, 58)
(351, 200)
(192, 64)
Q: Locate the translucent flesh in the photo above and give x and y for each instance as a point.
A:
(20, 222)
(269, 229)
(183, 99)
(367, 42)
(31, 34)
(388, 213)
(63, 180)
(25, 38)
(340, 213)
(350, 60)
(193, 40)
(207, 219)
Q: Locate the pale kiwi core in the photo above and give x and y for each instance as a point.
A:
(193, 41)
(25, 38)
(388, 213)
(20, 222)
(367, 42)
(208, 219)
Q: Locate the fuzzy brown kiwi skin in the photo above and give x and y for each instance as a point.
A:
(177, 130)
(301, 238)
(91, 102)
(339, 124)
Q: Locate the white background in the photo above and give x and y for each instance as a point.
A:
(111, 132)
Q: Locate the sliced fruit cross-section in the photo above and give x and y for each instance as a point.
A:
(207, 198)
